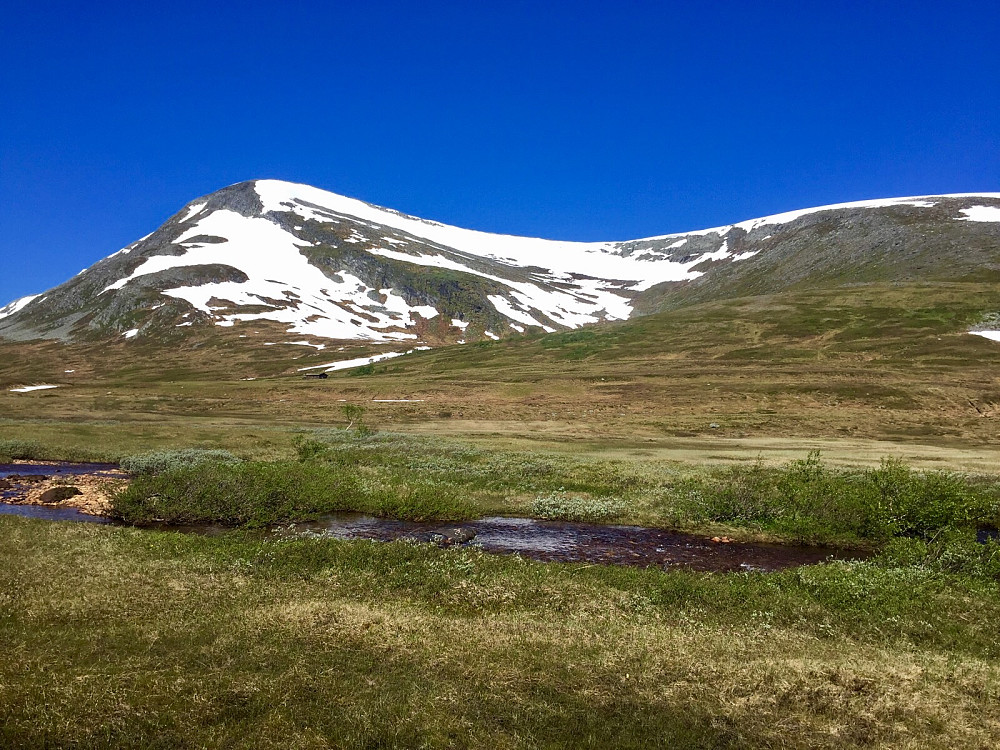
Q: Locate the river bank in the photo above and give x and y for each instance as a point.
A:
(82, 492)
(61, 486)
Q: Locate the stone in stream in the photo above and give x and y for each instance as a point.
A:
(58, 494)
(446, 538)
(460, 536)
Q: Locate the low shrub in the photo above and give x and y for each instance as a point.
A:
(419, 500)
(311, 450)
(257, 493)
(158, 462)
(809, 501)
(236, 494)
(19, 450)
(951, 550)
(562, 507)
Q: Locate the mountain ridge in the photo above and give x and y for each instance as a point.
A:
(329, 267)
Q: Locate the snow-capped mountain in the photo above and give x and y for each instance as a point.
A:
(324, 266)
(13, 307)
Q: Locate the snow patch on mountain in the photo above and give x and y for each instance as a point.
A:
(981, 213)
(591, 302)
(317, 347)
(128, 248)
(348, 364)
(17, 305)
(789, 216)
(991, 335)
(923, 201)
(192, 210)
(301, 296)
(505, 308)
(598, 260)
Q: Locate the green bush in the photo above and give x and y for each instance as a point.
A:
(19, 450)
(951, 550)
(560, 506)
(236, 494)
(909, 502)
(809, 501)
(419, 500)
(256, 493)
(158, 462)
(311, 450)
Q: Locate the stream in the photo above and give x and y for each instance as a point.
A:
(564, 541)
(15, 477)
(547, 541)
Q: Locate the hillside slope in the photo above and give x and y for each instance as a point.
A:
(311, 265)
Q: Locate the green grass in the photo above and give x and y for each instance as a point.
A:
(126, 638)
(157, 462)
(803, 500)
(117, 637)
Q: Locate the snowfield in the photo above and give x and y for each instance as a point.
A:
(17, 305)
(348, 364)
(981, 213)
(310, 302)
(991, 335)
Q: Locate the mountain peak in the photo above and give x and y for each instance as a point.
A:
(328, 266)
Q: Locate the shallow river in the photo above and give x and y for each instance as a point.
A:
(560, 541)
(550, 541)
(46, 512)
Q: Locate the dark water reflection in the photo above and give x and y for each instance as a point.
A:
(53, 469)
(50, 513)
(557, 541)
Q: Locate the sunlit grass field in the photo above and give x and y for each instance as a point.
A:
(887, 363)
(700, 419)
(120, 637)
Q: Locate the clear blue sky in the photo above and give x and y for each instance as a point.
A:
(568, 120)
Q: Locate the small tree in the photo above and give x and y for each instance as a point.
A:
(355, 418)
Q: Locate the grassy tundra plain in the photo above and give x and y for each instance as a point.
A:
(126, 637)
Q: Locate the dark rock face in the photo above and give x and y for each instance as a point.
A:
(241, 198)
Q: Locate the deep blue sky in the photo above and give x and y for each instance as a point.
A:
(571, 120)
